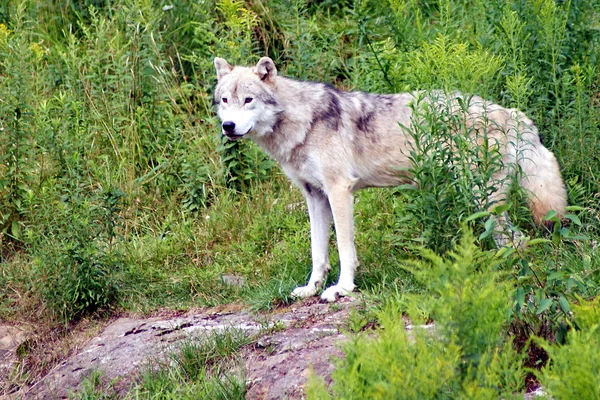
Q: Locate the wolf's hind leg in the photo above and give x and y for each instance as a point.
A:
(505, 234)
(319, 212)
(342, 204)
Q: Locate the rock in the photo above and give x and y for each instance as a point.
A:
(302, 336)
(11, 337)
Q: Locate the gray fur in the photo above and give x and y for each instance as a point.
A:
(331, 143)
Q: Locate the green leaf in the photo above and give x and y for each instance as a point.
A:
(485, 235)
(490, 224)
(575, 208)
(533, 242)
(501, 208)
(520, 296)
(564, 304)
(503, 251)
(477, 215)
(579, 237)
(406, 187)
(574, 218)
(16, 230)
(551, 214)
(554, 276)
(544, 305)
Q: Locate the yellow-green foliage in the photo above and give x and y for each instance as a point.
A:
(471, 301)
(574, 368)
(445, 63)
(395, 364)
(452, 65)
(464, 354)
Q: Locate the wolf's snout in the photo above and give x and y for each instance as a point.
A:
(229, 126)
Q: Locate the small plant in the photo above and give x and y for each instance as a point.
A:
(76, 264)
(18, 58)
(544, 292)
(200, 368)
(573, 369)
(271, 295)
(93, 387)
(357, 320)
(395, 365)
(454, 165)
(470, 302)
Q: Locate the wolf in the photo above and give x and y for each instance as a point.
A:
(331, 143)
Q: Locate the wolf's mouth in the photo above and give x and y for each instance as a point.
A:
(234, 136)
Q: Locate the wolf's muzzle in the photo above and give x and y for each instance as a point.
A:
(229, 130)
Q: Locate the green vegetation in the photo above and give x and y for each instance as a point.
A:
(201, 368)
(467, 354)
(117, 192)
(462, 357)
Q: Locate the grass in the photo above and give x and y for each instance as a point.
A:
(200, 368)
(117, 193)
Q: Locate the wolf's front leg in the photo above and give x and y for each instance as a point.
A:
(319, 213)
(342, 204)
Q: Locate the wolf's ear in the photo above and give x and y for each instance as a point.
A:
(222, 67)
(265, 69)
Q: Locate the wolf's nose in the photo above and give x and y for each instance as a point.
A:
(229, 126)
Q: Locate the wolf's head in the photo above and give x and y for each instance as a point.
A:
(245, 99)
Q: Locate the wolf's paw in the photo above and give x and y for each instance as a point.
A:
(333, 292)
(304, 291)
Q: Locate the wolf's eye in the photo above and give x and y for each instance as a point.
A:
(248, 100)
(224, 100)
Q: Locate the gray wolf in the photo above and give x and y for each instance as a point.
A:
(331, 143)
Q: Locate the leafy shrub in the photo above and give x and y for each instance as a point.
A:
(18, 57)
(76, 260)
(454, 165)
(470, 302)
(573, 369)
(464, 356)
(396, 365)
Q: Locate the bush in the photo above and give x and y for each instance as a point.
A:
(465, 355)
(454, 165)
(573, 369)
(77, 258)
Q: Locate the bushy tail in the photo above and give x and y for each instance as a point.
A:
(542, 182)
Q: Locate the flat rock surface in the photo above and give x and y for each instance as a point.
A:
(10, 339)
(304, 335)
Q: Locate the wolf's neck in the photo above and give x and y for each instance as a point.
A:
(291, 125)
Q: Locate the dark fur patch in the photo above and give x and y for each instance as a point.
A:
(266, 98)
(313, 191)
(270, 100)
(217, 96)
(309, 189)
(278, 122)
(363, 123)
(331, 113)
